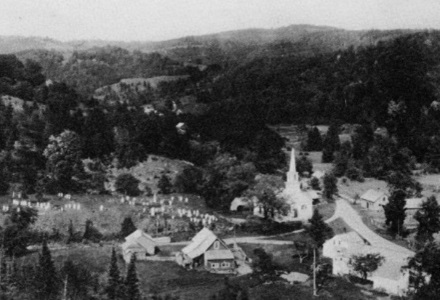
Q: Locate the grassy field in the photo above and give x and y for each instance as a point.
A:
(108, 221)
(154, 277)
(355, 188)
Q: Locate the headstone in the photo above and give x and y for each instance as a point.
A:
(101, 208)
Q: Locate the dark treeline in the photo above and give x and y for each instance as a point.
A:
(44, 140)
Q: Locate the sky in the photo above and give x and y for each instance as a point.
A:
(153, 20)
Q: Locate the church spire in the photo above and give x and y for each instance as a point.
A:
(292, 183)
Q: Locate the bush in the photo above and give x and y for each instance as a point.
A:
(127, 184)
(354, 173)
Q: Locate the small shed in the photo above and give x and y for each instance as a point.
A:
(138, 243)
(241, 204)
(373, 200)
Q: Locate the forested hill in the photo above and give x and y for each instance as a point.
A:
(306, 39)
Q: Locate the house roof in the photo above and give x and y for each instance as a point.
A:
(240, 201)
(139, 239)
(219, 254)
(372, 195)
(414, 203)
(200, 243)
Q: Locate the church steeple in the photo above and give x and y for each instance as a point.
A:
(292, 183)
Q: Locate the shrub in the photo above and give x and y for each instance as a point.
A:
(127, 184)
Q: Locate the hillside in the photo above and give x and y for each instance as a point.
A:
(130, 88)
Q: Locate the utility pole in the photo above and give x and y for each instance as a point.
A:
(65, 288)
(314, 272)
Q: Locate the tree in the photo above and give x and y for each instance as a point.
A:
(114, 289)
(131, 281)
(263, 264)
(64, 165)
(426, 264)
(47, 280)
(318, 230)
(314, 140)
(164, 184)
(302, 250)
(428, 217)
(304, 165)
(315, 184)
(127, 227)
(331, 143)
(127, 184)
(231, 292)
(330, 185)
(365, 264)
(395, 212)
(79, 283)
(15, 237)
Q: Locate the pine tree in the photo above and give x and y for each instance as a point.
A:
(131, 281)
(395, 212)
(127, 227)
(114, 287)
(47, 281)
(330, 186)
(428, 217)
(314, 140)
(319, 231)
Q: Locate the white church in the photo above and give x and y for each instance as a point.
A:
(300, 201)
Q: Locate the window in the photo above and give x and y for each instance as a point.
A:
(225, 265)
(214, 265)
(216, 245)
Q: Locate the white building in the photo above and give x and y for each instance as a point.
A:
(389, 277)
(138, 243)
(299, 200)
(373, 200)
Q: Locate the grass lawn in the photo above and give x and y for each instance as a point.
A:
(355, 188)
(327, 210)
(339, 226)
(154, 277)
(335, 289)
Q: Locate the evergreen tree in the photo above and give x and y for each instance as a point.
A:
(395, 212)
(331, 144)
(318, 230)
(114, 286)
(47, 280)
(131, 281)
(127, 227)
(428, 217)
(314, 140)
(164, 184)
(330, 186)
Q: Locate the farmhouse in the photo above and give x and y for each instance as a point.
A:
(390, 276)
(138, 243)
(208, 251)
(299, 200)
(373, 200)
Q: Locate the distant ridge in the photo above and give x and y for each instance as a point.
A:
(254, 36)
